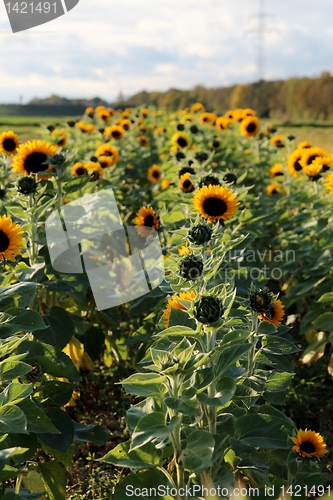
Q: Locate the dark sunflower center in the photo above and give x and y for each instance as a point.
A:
(187, 184)
(216, 144)
(182, 142)
(107, 153)
(149, 221)
(34, 162)
(115, 133)
(214, 207)
(311, 159)
(81, 171)
(4, 241)
(94, 176)
(272, 312)
(9, 145)
(307, 447)
(251, 127)
(297, 166)
(156, 174)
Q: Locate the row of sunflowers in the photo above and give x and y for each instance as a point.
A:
(243, 216)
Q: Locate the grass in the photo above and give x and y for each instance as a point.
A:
(318, 133)
(29, 127)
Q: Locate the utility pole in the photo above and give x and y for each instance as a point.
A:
(260, 30)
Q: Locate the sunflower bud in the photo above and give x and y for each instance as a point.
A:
(71, 123)
(50, 128)
(209, 180)
(180, 155)
(200, 234)
(94, 159)
(191, 268)
(186, 170)
(201, 156)
(261, 300)
(194, 129)
(208, 310)
(229, 177)
(26, 185)
(180, 127)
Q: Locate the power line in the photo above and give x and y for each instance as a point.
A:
(260, 30)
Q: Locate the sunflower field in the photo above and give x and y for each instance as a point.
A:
(215, 381)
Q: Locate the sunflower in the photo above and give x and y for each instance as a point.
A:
(293, 162)
(230, 116)
(31, 157)
(125, 114)
(154, 173)
(125, 123)
(100, 109)
(90, 112)
(221, 123)
(146, 220)
(165, 183)
(181, 140)
(10, 238)
(309, 444)
(187, 118)
(79, 169)
(94, 170)
(275, 313)
(314, 169)
(207, 118)
(310, 154)
(215, 203)
(248, 112)
(329, 183)
(9, 143)
(274, 189)
(197, 106)
(173, 303)
(59, 136)
(184, 250)
(276, 170)
(85, 127)
(215, 144)
(103, 115)
(249, 126)
(144, 112)
(105, 161)
(110, 151)
(144, 141)
(114, 131)
(304, 145)
(186, 184)
(278, 141)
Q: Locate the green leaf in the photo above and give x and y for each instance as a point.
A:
(326, 297)
(53, 360)
(225, 389)
(25, 273)
(266, 328)
(91, 433)
(142, 458)
(53, 475)
(11, 369)
(12, 420)
(178, 331)
(198, 454)
(183, 405)
(11, 454)
(18, 319)
(64, 425)
(145, 384)
(179, 317)
(152, 426)
(75, 184)
(22, 495)
(25, 292)
(15, 392)
(37, 420)
(324, 322)
(263, 430)
(59, 329)
(230, 355)
(279, 381)
(143, 482)
(26, 441)
(278, 346)
(54, 393)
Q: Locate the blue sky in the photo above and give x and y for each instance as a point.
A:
(103, 47)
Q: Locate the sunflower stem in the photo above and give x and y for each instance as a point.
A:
(33, 234)
(212, 412)
(59, 193)
(253, 339)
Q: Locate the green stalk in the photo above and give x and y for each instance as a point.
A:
(253, 339)
(212, 412)
(176, 440)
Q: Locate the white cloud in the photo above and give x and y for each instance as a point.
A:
(102, 47)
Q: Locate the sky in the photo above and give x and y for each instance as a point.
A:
(103, 47)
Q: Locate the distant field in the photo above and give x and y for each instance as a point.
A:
(29, 127)
(320, 133)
